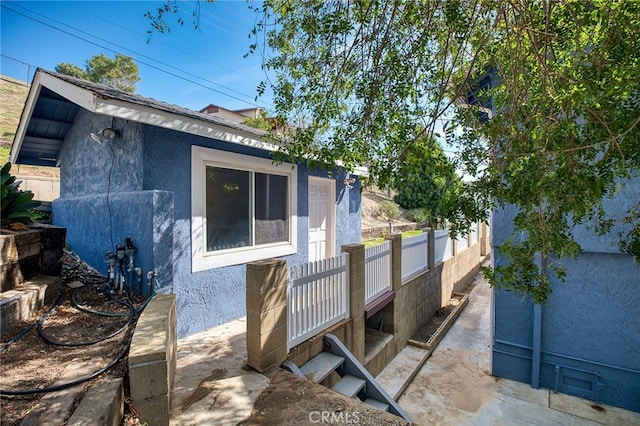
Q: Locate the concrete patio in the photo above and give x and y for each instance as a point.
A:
(454, 386)
(450, 386)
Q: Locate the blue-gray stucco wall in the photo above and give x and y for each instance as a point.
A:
(590, 332)
(102, 199)
(139, 186)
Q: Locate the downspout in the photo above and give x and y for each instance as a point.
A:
(537, 342)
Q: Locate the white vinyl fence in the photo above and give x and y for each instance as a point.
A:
(317, 297)
(415, 255)
(462, 242)
(473, 233)
(443, 245)
(377, 264)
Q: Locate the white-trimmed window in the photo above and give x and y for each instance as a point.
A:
(243, 208)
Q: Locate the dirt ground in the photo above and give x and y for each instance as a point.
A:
(292, 401)
(63, 335)
(371, 216)
(32, 363)
(424, 334)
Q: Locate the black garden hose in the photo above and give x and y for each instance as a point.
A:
(80, 307)
(69, 384)
(133, 313)
(29, 328)
(132, 317)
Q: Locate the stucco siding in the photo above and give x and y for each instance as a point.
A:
(590, 338)
(139, 185)
(88, 167)
(216, 296)
(96, 223)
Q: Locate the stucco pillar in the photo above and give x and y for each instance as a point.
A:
(431, 247)
(485, 244)
(356, 297)
(266, 314)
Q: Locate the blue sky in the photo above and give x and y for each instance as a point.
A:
(187, 67)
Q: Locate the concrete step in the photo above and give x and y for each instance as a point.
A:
(21, 303)
(377, 404)
(54, 406)
(397, 375)
(349, 385)
(320, 366)
(102, 405)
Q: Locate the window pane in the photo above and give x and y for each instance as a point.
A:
(271, 208)
(227, 208)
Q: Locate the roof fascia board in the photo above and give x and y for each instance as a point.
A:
(155, 117)
(75, 94)
(82, 97)
(29, 105)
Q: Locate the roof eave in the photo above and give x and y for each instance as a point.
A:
(100, 104)
(159, 118)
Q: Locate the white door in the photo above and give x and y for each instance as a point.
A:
(321, 218)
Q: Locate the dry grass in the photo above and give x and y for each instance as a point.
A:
(13, 94)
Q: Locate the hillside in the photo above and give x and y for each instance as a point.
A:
(372, 218)
(13, 94)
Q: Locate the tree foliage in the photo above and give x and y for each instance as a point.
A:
(365, 81)
(120, 72)
(261, 121)
(560, 81)
(427, 180)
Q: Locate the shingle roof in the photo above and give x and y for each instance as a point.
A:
(54, 100)
(107, 92)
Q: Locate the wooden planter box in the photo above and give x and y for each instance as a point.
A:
(20, 257)
(27, 254)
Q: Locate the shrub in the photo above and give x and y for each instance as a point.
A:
(418, 215)
(389, 210)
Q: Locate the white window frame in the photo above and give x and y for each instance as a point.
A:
(201, 260)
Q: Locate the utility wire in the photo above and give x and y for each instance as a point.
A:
(133, 51)
(137, 60)
(198, 12)
(231, 70)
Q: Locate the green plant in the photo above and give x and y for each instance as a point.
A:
(418, 215)
(389, 210)
(17, 205)
(4, 153)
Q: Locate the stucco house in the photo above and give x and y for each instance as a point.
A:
(199, 195)
(585, 341)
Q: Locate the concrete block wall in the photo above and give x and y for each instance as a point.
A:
(266, 314)
(152, 360)
(418, 300)
(356, 298)
(44, 188)
(458, 270)
(414, 304)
